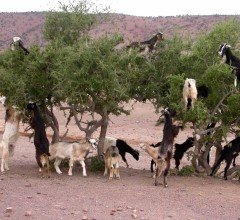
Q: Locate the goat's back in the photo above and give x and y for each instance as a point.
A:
(67, 150)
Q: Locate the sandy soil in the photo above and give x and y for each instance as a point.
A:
(24, 195)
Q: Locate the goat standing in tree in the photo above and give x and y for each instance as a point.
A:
(170, 131)
(228, 58)
(17, 43)
(148, 45)
(190, 93)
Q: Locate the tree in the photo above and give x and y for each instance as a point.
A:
(175, 60)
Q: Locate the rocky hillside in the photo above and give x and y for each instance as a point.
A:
(29, 26)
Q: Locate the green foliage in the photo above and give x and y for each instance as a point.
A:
(97, 164)
(73, 21)
(186, 171)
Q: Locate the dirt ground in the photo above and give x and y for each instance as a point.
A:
(24, 195)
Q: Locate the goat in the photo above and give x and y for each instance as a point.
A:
(112, 160)
(170, 131)
(17, 43)
(180, 149)
(227, 57)
(148, 45)
(189, 93)
(76, 151)
(152, 161)
(123, 148)
(10, 135)
(152, 150)
(229, 152)
(202, 91)
(40, 139)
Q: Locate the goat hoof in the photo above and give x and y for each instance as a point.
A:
(69, 174)
(166, 185)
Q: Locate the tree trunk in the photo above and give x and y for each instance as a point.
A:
(234, 172)
(53, 122)
(217, 154)
(203, 159)
(196, 153)
(103, 133)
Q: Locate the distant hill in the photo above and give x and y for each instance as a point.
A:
(29, 26)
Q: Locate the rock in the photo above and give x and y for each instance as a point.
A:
(119, 209)
(28, 185)
(9, 210)
(28, 213)
(84, 217)
(29, 197)
(113, 210)
(129, 207)
(134, 216)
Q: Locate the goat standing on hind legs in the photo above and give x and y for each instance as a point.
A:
(10, 135)
(170, 131)
(40, 139)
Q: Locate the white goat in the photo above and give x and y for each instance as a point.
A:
(190, 92)
(112, 159)
(10, 135)
(77, 151)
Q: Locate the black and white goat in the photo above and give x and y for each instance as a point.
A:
(229, 152)
(152, 161)
(17, 43)
(227, 57)
(122, 146)
(170, 131)
(148, 45)
(189, 93)
(40, 139)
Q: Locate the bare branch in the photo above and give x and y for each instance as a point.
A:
(220, 103)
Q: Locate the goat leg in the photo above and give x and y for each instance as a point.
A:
(111, 174)
(229, 161)
(56, 165)
(70, 167)
(83, 167)
(156, 176)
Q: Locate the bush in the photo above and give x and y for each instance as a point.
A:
(96, 164)
(186, 171)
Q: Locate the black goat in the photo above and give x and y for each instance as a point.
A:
(229, 152)
(170, 131)
(148, 45)
(228, 58)
(180, 149)
(203, 91)
(123, 148)
(40, 139)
